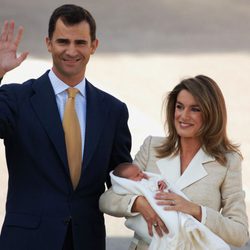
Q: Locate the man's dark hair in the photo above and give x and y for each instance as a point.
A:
(71, 14)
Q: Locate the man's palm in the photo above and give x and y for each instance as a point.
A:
(8, 48)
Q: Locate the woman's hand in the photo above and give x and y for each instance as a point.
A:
(175, 202)
(8, 48)
(142, 206)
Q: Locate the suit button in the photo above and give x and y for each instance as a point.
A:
(67, 220)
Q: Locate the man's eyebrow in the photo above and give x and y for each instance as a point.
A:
(82, 41)
(78, 41)
(62, 40)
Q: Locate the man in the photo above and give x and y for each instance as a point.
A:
(50, 204)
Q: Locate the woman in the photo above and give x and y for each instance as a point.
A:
(196, 156)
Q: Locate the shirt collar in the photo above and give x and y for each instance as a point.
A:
(59, 86)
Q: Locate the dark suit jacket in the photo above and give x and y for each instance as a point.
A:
(41, 200)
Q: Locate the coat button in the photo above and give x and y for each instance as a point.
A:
(67, 220)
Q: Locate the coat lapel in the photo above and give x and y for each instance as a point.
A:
(96, 114)
(44, 105)
(170, 169)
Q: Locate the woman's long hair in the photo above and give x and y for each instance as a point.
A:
(212, 135)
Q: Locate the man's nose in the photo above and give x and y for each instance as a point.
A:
(71, 50)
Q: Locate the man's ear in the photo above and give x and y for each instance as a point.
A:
(48, 43)
(94, 46)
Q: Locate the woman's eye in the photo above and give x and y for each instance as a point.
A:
(196, 109)
(179, 106)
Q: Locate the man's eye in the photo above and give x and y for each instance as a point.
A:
(81, 42)
(62, 41)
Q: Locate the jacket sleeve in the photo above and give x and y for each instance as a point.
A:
(141, 158)
(231, 224)
(122, 142)
(8, 110)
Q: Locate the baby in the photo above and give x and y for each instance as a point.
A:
(133, 172)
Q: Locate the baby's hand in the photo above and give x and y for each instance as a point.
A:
(162, 185)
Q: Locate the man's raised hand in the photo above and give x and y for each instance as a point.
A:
(8, 48)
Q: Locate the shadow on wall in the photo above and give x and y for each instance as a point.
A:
(144, 26)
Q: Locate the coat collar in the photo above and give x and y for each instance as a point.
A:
(170, 169)
(44, 105)
(96, 117)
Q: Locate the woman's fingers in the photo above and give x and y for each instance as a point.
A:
(164, 198)
(142, 206)
(156, 224)
(162, 226)
(175, 202)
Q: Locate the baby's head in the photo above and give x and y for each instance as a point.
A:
(129, 171)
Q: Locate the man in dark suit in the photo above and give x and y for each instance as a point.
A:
(47, 209)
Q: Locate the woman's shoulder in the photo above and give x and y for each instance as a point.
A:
(234, 159)
(154, 141)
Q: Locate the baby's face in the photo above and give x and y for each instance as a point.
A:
(135, 173)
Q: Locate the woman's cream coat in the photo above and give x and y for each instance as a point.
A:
(206, 182)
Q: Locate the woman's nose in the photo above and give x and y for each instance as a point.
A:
(185, 114)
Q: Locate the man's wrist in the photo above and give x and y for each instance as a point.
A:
(2, 73)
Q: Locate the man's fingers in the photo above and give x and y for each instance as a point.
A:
(19, 36)
(22, 57)
(10, 31)
(4, 31)
(7, 33)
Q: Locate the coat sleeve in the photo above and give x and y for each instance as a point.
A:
(141, 158)
(122, 142)
(231, 224)
(8, 110)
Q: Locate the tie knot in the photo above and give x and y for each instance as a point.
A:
(72, 92)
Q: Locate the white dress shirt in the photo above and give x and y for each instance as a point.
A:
(60, 90)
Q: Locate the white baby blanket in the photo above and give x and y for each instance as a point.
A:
(185, 232)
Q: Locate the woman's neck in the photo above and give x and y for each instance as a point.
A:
(189, 148)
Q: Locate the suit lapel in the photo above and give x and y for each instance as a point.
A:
(44, 105)
(96, 114)
(170, 168)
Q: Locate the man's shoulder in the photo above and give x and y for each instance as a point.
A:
(24, 89)
(107, 96)
(12, 87)
(26, 84)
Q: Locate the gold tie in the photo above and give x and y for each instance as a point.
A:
(73, 139)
